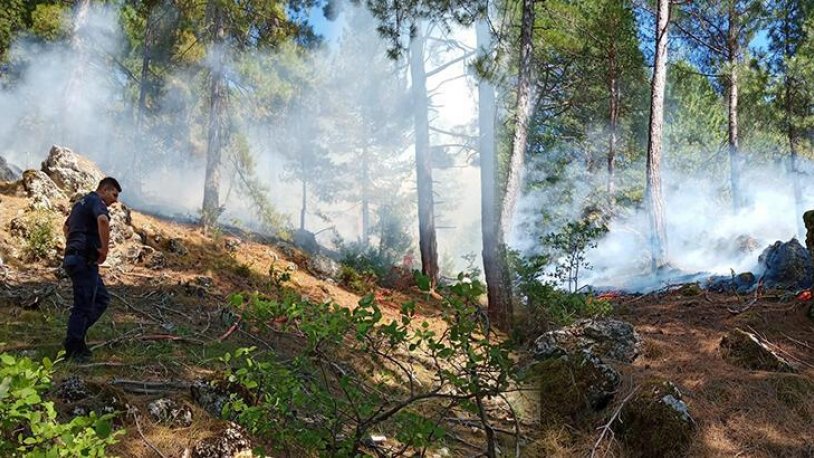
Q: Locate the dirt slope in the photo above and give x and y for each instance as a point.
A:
(170, 324)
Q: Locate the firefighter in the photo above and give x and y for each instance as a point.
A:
(87, 235)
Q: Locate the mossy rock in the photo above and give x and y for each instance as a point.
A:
(656, 422)
(573, 387)
(746, 350)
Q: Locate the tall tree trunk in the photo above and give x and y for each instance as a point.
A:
(495, 268)
(76, 78)
(732, 102)
(654, 198)
(423, 161)
(613, 89)
(365, 199)
(146, 57)
(791, 132)
(523, 110)
(216, 130)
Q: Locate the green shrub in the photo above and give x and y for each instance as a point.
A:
(360, 282)
(39, 237)
(28, 424)
(310, 401)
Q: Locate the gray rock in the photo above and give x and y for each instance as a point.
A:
(171, 413)
(306, 241)
(231, 244)
(606, 338)
(70, 171)
(226, 444)
(786, 266)
(8, 172)
(42, 191)
(323, 267)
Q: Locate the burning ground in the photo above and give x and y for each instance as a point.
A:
(171, 320)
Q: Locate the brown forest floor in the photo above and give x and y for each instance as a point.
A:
(738, 412)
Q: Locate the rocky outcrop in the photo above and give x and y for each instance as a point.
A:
(8, 172)
(323, 267)
(747, 350)
(605, 338)
(656, 422)
(786, 266)
(43, 192)
(70, 171)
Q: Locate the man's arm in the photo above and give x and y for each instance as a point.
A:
(65, 230)
(104, 235)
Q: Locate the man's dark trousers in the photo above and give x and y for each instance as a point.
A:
(90, 300)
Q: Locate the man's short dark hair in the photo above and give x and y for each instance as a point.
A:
(110, 182)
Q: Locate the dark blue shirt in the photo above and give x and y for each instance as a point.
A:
(83, 229)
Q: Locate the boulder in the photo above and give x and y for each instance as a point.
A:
(81, 398)
(70, 171)
(170, 413)
(176, 245)
(8, 172)
(606, 338)
(786, 266)
(656, 422)
(747, 350)
(573, 386)
(323, 267)
(306, 241)
(741, 283)
(229, 443)
(42, 191)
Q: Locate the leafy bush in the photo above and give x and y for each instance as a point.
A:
(359, 282)
(38, 237)
(311, 401)
(29, 426)
(543, 303)
(569, 247)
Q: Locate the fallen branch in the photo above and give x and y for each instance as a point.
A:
(170, 337)
(231, 329)
(607, 426)
(134, 413)
(751, 303)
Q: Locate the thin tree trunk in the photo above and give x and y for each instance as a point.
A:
(654, 199)
(495, 268)
(216, 132)
(732, 102)
(304, 190)
(522, 112)
(423, 161)
(613, 88)
(365, 199)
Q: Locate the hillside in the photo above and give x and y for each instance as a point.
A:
(171, 320)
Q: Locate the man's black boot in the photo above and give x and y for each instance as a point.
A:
(76, 350)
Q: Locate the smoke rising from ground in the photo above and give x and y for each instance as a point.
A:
(704, 235)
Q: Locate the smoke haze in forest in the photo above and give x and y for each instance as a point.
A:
(76, 93)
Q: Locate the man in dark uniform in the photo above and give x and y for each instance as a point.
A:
(87, 234)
